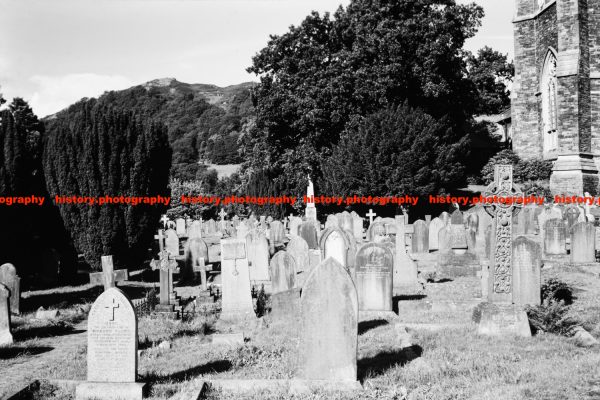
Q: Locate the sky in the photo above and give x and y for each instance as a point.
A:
(54, 52)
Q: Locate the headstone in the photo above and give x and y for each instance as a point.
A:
(294, 226)
(332, 221)
(527, 272)
(445, 217)
(405, 280)
(308, 232)
(277, 233)
(167, 265)
(347, 222)
(211, 227)
(329, 328)
(456, 218)
(555, 237)
(242, 230)
(222, 224)
(9, 278)
(112, 358)
(195, 230)
(180, 226)
(357, 226)
(571, 216)
(374, 274)
(5, 335)
(472, 228)
(172, 243)
(548, 213)
(420, 237)
(283, 272)
(335, 243)
(434, 230)
(298, 248)
(583, 242)
(257, 249)
(235, 281)
(196, 254)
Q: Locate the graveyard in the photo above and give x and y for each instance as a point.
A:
(387, 210)
(292, 309)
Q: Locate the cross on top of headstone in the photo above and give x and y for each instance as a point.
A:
(113, 309)
(222, 214)
(164, 262)
(371, 215)
(503, 213)
(164, 219)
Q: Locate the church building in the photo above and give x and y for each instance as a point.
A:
(556, 90)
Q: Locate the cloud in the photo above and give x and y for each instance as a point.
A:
(53, 93)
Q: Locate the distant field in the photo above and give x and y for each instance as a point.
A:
(226, 170)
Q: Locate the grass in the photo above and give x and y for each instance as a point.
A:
(452, 363)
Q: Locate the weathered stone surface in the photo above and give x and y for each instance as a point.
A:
(298, 248)
(112, 339)
(5, 335)
(180, 227)
(456, 218)
(285, 306)
(434, 229)
(308, 232)
(405, 280)
(555, 237)
(503, 320)
(277, 233)
(335, 243)
(10, 279)
(257, 247)
(583, 243)
(329, 328)
(235, 281)
(283, 272)
(374, 274)
(527, 274)
(172, 242)
(420, 237)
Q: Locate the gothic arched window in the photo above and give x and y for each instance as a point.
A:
(549, 85)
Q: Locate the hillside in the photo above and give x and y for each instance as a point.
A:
(204, 121)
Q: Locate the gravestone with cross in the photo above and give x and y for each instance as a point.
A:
(235, 281)
(112, 343)
(500, 316)
(167, 265)
(164, 219)
(108, 277)
(222, 215)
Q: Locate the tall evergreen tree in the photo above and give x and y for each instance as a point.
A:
(96, 150)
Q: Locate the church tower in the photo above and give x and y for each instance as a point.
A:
(556, 90)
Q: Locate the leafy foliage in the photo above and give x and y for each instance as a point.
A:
(327, 73)
(418, 157)
(95, 150)
(490, 71)
(552, 315)
(523, 170)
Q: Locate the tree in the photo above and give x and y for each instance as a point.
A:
(417, 160)
(35, 230)
(328, 73)
(96, 150)
(490, 71)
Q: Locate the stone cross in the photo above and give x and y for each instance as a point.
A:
(161, 239)
(108, 277)
(371, 215)
(166, 265)
(222, 214)
(500, 285)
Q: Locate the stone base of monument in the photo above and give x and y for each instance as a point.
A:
(371, 315)
(285, 305)
(453, 265)
(5, 338)
(501, 320)
(439, 305)
(110, 391)
(232, 317)
(407, 288)
(291, 386)
(166, 311)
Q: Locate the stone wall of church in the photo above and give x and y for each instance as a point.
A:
(594, 40)
(533, 37)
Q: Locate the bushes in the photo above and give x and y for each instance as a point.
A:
(552, 315)
(523, 170)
